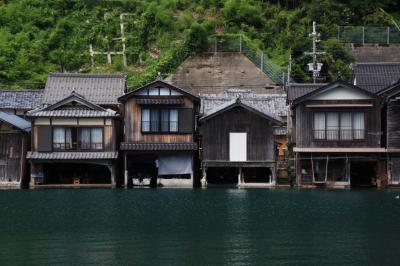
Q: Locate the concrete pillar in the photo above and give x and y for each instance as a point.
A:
(32, 175)
(112, 171)
(240, 176)
(273, 172)
(204, 177)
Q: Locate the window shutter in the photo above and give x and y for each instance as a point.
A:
(185, 120)
(44, 138)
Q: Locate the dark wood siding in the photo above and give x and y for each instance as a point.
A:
(215, 135)
(393, 124)
(44, 137)
(185, 120)
(304, 125)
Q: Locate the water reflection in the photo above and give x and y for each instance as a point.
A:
(199, 227)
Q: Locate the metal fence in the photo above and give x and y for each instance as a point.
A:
(362, 35)
(238, 43)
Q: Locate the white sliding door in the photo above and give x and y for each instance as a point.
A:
(238, 147)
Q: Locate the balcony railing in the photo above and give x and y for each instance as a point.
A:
(77, 146)
(339, 134)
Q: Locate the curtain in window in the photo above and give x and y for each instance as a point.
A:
(345, 126)
(173, 120)
(68, 138)
(319, 125)
(85, 138)
(145, 120)
(332, 125)
(358, 125)
(58, 137)
(154, 124)
(165, 120)
(97, 138)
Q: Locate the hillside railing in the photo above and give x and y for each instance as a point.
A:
(240, 43)
(366, 34)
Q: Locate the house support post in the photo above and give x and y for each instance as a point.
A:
(298, 170)
(382, 174)
(32, 175)
(204, 177)
(125, 170)
(240, 177)
(112, 169)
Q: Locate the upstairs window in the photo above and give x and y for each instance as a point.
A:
(160, 120)
(159, 91)
(339, 125)
(72, 138)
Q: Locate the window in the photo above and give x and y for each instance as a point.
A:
(159, 91)
(339, 125)
(72, 138)
(159, 120)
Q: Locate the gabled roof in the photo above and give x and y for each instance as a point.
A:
(238, 102)
(390, 91)
(102, 89)
(328, 87)
(297, 90)
(80, 108)
(157, 83)
(22, 99)
(375, 76)
(16, 121)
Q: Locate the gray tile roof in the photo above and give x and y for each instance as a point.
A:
(296, 90)
(170, 101)
(158, 146)
(23, 100)
(74, 113)
(33, 155)
(273, 105)
(102, 89)
(16, 121)
(376, 76)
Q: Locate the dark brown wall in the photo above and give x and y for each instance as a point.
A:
(393, 124)
(304, 125)
(215, 135)
(133, 119)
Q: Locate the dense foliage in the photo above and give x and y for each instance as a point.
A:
(41, 36)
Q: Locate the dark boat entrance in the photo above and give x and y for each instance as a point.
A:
(222, 176)
(257, 175)
(76, 174)
(363, 173)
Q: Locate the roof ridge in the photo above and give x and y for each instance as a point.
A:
(87, 75)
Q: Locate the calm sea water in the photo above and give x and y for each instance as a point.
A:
(199, 227)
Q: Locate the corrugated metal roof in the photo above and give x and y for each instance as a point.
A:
(16, 121)
(103, 89)
(297, 90)
(376, 76)
(33, 155)
(273, 105)
(158, 146)
(24, 100)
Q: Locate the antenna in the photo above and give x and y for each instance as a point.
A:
(314, 67)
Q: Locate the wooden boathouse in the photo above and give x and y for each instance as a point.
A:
(391, 128)
(238, 142)
(14, 144)
(75, 134)
(160, 136)
(337, 135)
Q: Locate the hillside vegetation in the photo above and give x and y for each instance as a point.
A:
(42, 36)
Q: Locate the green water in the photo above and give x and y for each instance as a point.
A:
(199, 227)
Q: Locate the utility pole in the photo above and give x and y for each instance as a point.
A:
(289, 70)
(314, 67)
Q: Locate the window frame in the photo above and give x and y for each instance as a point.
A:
(75, 133)
(339, 113)
(159, 124)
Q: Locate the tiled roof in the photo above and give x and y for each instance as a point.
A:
(168, 101)
(297, 90)
(74, 113)
(273, 105)
(16, 121)
(33, 155)
(375, 76)
(25, 100)
(103, 89)
(158, 146)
